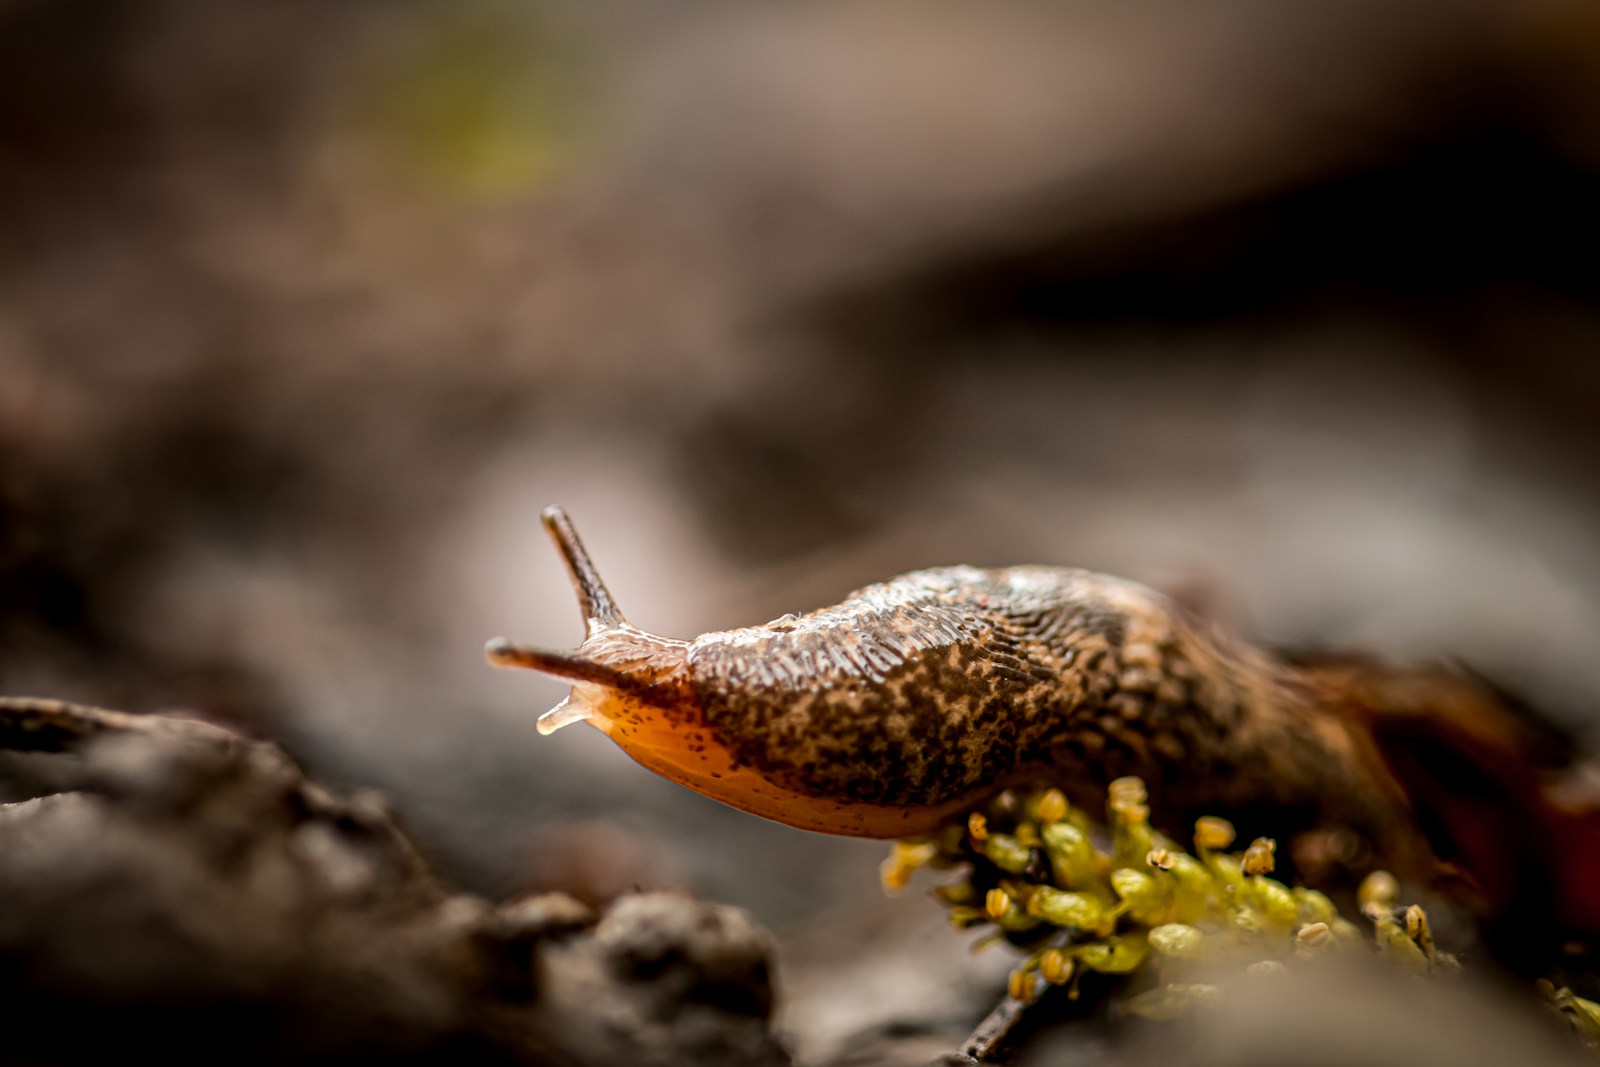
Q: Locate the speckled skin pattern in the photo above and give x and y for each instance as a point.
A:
(946, 684)
(940, 682)
(913, 691)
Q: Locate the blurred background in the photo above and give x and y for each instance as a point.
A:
(307, 308)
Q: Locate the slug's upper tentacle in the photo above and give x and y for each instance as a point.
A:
(599, 610)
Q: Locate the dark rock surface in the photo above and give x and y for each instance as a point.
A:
(192, 894)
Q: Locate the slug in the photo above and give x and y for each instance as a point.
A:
(900, 708)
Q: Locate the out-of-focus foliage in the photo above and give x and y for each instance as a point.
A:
(486, 102)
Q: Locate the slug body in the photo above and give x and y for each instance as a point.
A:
(891, 712)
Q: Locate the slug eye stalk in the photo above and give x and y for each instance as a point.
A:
(599, 610)
(570, 665)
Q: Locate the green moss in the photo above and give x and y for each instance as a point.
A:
(1074, 896)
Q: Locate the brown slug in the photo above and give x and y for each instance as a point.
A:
(887, 714)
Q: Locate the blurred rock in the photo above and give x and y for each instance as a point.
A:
(195, 893)
(1358, 1014)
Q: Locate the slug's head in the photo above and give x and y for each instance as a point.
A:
(629, 684)
(667, 709)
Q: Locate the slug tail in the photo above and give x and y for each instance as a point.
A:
(599, 610)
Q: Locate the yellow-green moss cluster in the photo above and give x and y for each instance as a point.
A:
(1582, 1015)
(1132, 902)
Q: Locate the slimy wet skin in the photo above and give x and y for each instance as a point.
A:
(887, 714)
